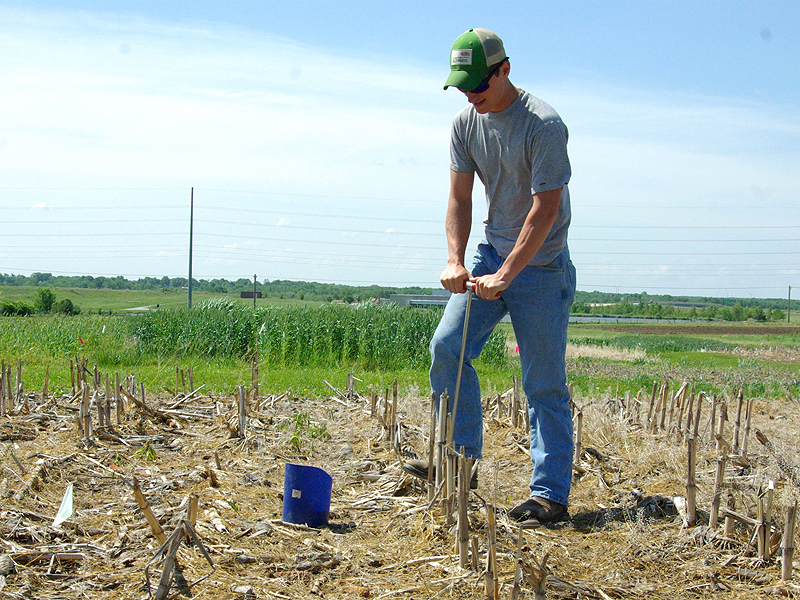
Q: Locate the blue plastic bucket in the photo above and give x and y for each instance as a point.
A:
(306, 495)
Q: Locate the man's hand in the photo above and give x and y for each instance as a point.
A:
(489, 287)
(454, 278)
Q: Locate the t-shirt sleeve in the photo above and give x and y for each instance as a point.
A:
(550, 168)
(460, 159)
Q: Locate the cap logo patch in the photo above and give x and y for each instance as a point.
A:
(461, 57)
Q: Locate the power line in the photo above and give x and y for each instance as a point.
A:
(684, 241)
(283, 213)
(371, 245)
(210, 251)
(90, 222)
(318, 196)
(207, 251)
(94, 234)
(327, 216)
(99, 189)
(639, 207)
(331, 229)
(128, 249)
(47, 208)
(390, 232)
(366, 254)
(685, 226)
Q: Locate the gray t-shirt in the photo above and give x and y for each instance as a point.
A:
(516, 152)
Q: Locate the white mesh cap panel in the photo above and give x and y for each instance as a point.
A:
(492, 46)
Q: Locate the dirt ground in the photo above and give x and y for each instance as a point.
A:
(625, 539)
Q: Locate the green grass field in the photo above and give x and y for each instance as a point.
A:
(298, 346)
(762, 360)
(105, 300)
(301, 344)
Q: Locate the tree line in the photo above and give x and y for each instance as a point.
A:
(586, 303)
(44, 302)
(278, 288)
(664, 310)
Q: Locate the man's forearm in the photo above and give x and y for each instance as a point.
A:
(535, 230)
(458, 221)
(458, 224)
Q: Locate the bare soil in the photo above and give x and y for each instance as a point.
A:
(625, 538)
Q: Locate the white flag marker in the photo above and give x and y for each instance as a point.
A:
(65, 512)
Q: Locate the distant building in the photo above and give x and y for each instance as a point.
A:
(437, 298)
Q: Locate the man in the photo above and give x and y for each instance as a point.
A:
(517, 145)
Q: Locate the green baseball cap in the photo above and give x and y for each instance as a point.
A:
(473, 54)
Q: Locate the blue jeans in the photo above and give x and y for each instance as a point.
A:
(538, 301)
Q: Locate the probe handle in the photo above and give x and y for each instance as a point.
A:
(471, 285)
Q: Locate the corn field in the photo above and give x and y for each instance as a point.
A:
(368, 336)
(107, 339)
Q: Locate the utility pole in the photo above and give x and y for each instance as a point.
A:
(191, 232)
(254, 291)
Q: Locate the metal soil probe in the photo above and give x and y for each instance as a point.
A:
(470, 287)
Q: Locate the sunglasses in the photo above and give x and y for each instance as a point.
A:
(484, 84)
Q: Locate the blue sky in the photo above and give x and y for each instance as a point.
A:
(315, 136)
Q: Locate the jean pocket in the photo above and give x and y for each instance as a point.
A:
(569, 282)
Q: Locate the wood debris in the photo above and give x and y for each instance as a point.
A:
(181, 496)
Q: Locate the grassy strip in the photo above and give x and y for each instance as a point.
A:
(121, 301)
(297, 345)
(300, 346)
(590, 377)
(223, 376)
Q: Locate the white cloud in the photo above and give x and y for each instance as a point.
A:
(189, 104)
(92, 101)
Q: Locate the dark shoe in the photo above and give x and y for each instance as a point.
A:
(536, 510)
(419, 469)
